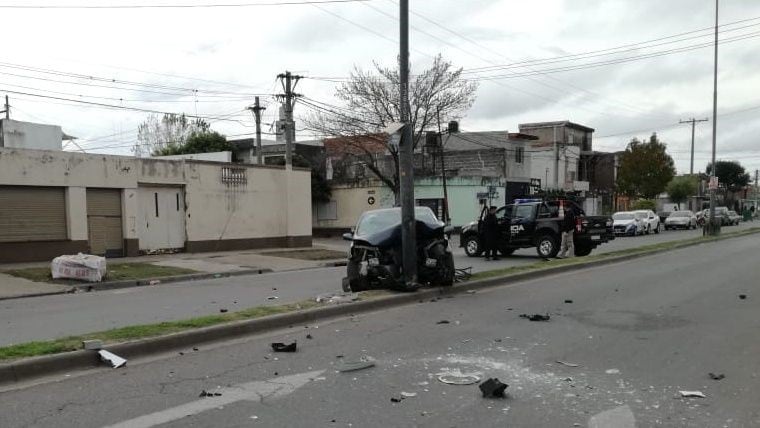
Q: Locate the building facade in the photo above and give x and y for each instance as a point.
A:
(57, 202)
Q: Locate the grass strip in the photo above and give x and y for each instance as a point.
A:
(124, 334)
(116, 272)
(543, 265)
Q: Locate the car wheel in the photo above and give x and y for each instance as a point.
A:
(547, 246)
(583, 250)
(472, 246)
(649, 229)
(447, 276)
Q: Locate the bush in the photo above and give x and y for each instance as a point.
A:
(644, 204)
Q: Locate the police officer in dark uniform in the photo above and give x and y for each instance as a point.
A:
(490, 234)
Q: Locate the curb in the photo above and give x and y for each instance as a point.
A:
(115, 285)
(48, 365)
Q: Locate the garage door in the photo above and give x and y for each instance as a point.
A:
(104, 222)
(32, 214)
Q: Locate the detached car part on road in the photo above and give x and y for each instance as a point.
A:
(537, 223)
(375, 261)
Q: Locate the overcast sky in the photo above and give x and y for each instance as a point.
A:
(228, 54)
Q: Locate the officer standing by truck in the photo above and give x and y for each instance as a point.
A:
(567, 247)
(490, 234)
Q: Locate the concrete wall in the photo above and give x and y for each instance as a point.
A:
(27, 135)
(350, 202)
(270, 207)
(211, 157)
(543, 162)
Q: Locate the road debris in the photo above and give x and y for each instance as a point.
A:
(471, 291)
(462, 274)
(205, 393)
(493, 388)
(337, 298)
(195, 348)
(281, 347)
(396, 400)
(568, 301)
(308, 336)
(222, 310)
(408, 394)
(91, 345)
(352, 366)
(692, 394)
(154, 282)
(566, 364)
(612, 371)
(536, 317)
(742, 296)
(714, 376)
(114, 360)
(272, 298)
(444, 322)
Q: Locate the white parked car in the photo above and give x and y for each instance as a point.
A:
(627, 223)
(681, 220)
(651, 221)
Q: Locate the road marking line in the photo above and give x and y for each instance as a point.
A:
(251, 391)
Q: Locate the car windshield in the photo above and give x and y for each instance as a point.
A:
(681, 214)
(622, 216)
(375, 221)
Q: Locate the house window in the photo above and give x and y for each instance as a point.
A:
(327, 211)
(233, 175)
(519, 154)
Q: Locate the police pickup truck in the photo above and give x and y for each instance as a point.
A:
(538, 223)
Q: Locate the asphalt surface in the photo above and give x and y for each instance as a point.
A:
(50, 317)
(639, 331)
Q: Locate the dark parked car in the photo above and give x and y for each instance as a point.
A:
(375, 261)
(537, 223)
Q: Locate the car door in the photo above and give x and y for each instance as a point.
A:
(654, 220)
(523, 223)
(503, 218)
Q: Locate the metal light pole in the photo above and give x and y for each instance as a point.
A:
(406, 157)
(714, 226)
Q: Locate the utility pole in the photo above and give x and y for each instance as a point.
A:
(714, 227)
(446, 217)
(289, 82)
(693, 125)
(256, 109)
(406, 155)
(7, 110)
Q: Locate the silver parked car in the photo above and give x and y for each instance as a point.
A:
(734, 218)
(681, 220)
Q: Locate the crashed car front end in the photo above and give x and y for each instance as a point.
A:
(370, 267)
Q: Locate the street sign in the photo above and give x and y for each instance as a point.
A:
(713, 185)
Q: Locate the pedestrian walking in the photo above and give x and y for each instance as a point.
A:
(490, 234)
(567, 248)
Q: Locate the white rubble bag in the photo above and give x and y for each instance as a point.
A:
(84, 267)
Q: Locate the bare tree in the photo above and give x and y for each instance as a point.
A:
(371, 102)
(166, 133)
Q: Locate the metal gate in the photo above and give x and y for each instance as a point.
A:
(32, 214)
(104, 223)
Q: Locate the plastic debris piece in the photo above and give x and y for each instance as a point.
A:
(444, 322)
(308, 336)
(205, 393)
(337, 298)
(195, 348)
(612, 371)
(408, 394)
(536, 317)
(455, 378)
(222, 310)
(352, 366)
(154, 282)
(114, 360)
(568, 301)
(281, 347)
(396, 400)
(714, 376)
(493, 388)
(565, 363)
(742, 296)
(272, 298)
(471, 291)
(692, 394)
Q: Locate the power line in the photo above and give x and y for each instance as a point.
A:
(177, 6)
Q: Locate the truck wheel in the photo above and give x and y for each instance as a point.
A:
(472, 246)
(353, 281)
(582, 250)
(547, 246)
(448, 272)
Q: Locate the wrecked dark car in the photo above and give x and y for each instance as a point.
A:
(375, 262)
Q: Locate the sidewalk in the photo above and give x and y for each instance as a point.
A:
(329, 252)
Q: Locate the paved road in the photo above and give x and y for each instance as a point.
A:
(640, 335)
(50, 317)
